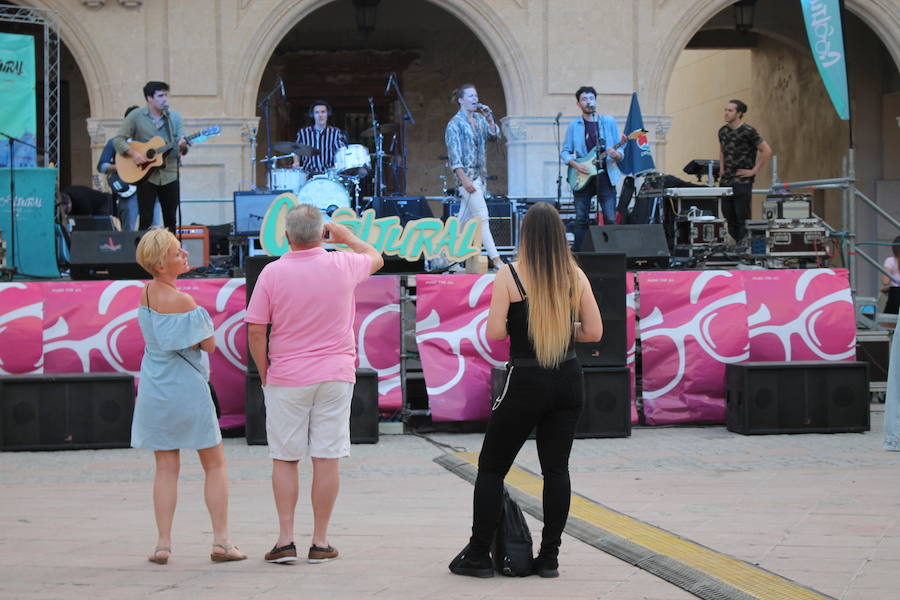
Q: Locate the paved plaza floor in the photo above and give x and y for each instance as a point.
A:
(822, 510)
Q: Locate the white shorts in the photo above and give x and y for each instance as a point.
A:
(308, 420)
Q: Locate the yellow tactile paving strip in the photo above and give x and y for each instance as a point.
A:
(755, 582)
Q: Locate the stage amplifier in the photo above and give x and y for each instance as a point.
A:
(501, 216)
(797, 206)
(195, 239)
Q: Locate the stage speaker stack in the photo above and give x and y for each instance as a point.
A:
(66, 411)
(644, 245)
(501, 220)
(105, 255)
(607, 401)
(363, 409)
(797, 397)
(606, 273)
(253, 266)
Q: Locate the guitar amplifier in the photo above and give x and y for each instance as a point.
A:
(500, 216)
(195, 239)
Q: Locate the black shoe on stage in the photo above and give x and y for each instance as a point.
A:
(473, 566)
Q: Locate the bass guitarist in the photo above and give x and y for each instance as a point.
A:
(161, 183)
(583, 135)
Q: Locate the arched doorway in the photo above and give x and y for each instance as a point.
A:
(326, 56)
(771, 69)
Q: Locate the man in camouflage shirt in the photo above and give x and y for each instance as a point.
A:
(742, 152)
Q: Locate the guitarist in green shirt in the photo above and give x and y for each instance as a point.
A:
(583, 136)
(161, 183)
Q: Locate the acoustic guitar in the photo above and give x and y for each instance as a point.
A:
(577, 179)
(155, 150)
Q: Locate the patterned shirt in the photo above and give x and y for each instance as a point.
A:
(739, 146)
(466, 146)
(326, 141)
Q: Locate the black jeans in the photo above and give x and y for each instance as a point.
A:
(606, 204)
(169, 196)
(736, 210)
(550, 400)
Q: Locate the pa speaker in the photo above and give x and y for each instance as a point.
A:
(66, 411)
(500, 219)
(643, 245)
(253, 266)
(797, 397)
(363, 409)
(606, 273)
(105, 255)
(607, 403)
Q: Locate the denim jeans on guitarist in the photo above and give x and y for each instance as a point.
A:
(606, 203)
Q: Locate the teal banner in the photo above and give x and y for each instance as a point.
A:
(18, 110)
(826, 40)
(31, 247)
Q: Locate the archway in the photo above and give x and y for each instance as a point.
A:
(772, 70)
(431, 51)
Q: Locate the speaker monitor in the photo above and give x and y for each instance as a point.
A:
(408, 209)
(644, 245)
(606, 273)
(105, 255)
(500, 217)
(250, 209)
(363, 409)
(66, 411)
(607, 401)
(797, 397)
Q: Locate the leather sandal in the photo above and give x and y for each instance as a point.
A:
(224, 556)
(160, 560)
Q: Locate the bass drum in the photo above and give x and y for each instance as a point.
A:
(289, 180)
(323, 192)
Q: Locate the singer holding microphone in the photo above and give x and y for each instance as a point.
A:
(466, 137)
(156, 119)
(583, 134)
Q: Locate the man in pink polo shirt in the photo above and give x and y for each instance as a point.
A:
(307, 296)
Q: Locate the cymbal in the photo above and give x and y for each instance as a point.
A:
(293, 148)
(385, 128)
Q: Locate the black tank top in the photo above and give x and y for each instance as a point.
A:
(520, 345)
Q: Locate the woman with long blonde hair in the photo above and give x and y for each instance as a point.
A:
(544, 303)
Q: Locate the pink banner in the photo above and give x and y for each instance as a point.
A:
(800, 315)
(692, 325)
(457, 356)
(377, 329)
(21, 325)
(630, 336)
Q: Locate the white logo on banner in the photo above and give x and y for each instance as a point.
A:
(698, 328)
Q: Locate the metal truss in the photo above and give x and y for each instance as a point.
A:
(46, 19)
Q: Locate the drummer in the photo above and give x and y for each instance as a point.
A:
(321, 136)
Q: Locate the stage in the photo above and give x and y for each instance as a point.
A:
(688, 325)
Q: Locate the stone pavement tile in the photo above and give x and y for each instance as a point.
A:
(823, 552)
(848, 524)
(818, 539)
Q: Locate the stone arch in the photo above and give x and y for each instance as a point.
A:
(83, 50)
(477, 15)
(876, 14)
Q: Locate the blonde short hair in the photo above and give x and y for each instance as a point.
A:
(152, 249)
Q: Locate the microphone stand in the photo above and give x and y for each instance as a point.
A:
(264, 104)
(379, 174)
(12, 197)
(598, 164)
(558, 166)
(407, 117)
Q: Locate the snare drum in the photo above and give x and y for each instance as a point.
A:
(352, 160)
(322, 192)
(290, 180)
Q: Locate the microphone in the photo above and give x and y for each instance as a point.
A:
(483, 107)
(281, 82)
(558, 115)
(387, 88)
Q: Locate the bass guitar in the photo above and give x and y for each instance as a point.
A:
(577, 179)
(155, 150)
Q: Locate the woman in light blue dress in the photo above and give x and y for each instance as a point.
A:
(174, 408)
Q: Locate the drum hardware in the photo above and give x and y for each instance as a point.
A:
(289, 148)
(385, 128)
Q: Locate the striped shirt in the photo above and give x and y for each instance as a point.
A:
(326, 141)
